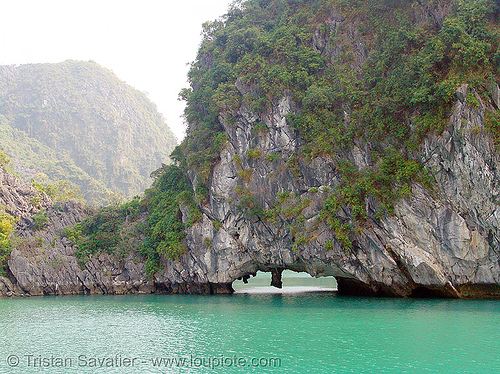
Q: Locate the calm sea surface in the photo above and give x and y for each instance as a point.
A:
(249, 332)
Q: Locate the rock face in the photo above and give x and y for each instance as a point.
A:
(263, 213)
(44, 263)
(438, 243)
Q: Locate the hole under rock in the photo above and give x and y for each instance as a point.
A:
(280, 281)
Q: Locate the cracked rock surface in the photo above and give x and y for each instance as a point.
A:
(44, 263)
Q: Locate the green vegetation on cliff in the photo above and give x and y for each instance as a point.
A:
(7, 223)
(77, 122)
(6, 227)
(150, 226)
(4, 160)
(413, 65)
(380, 71)
(164, 229)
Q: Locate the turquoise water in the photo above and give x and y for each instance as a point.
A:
(307, 332)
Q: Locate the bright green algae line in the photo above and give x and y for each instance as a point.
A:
(310, 333)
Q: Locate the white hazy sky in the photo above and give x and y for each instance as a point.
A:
(146, 43)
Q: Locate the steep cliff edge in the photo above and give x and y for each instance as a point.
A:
(353, 147)
(442, 243)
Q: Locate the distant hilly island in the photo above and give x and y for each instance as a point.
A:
(77, 122)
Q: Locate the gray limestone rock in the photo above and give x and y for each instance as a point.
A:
(442, 242)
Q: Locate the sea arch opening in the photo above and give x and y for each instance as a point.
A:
(283, 281)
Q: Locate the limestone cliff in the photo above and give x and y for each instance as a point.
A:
(441, 243)
(352, 148)
(271, 182)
